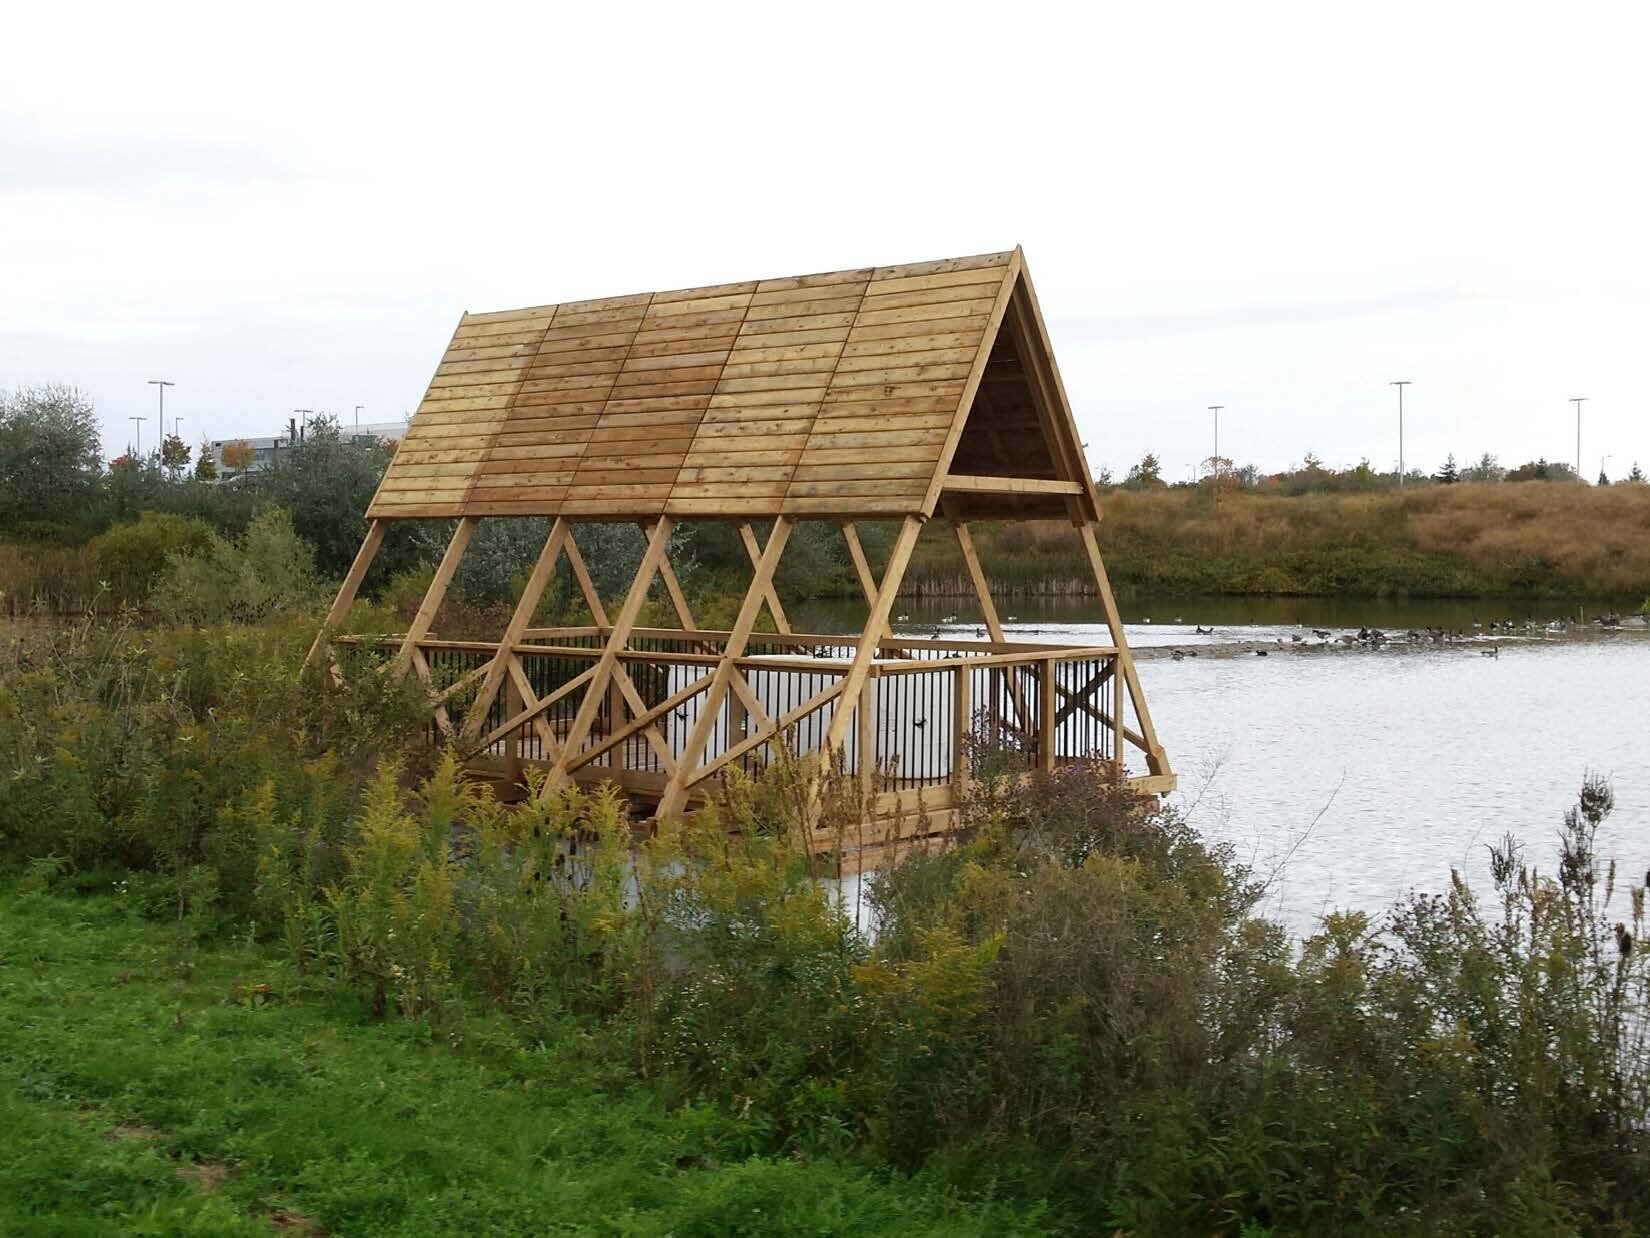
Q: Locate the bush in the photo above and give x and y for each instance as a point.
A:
(164, 748)
(130, 556)
(267, 574)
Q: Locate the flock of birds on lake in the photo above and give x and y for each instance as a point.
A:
(1376, 638)
(1363, 638)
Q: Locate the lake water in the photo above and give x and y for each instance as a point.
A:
(1351, 775)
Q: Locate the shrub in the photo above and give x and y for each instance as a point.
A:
(269, 573)
(130, 556)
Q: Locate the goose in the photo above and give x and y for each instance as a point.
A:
(1016, 619)
(1261, 653)
(902, 618)
(1176, 654)
(1321, 633)
(1494, 651)
(949, 619)
(1201, 631)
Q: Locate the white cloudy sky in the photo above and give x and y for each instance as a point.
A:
(1274, 207)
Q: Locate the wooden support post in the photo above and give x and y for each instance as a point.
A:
(673, 587)
(520, 619)
(754, 550)
(993, 626)
(557, 776)
(1045, 716)
(514, 741)
(592, 599)
(870, 775)
(433, 596)
(865, 653)
(1156, 761)
(862, 569)
(674, 795)
(351, 586)
(962, 723)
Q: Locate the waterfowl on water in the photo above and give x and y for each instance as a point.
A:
(1321, 633)
(1494, 651)
(1203, 631)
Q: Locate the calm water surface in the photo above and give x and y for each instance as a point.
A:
(1351, 776)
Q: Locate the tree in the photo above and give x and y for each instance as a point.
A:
(1488, 468)
(1603, 478)
(50, 454)
(1147, 475)
(206, 468)
(325, 482)
(174, 454)
(1636, 477)
(1449, 474)
(237, 456)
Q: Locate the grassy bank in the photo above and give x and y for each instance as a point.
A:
(156, 1084)
(1532, 539)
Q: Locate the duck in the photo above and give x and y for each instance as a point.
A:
(1261, 653)
(902, 618)
(949, 619)
(1176, 654)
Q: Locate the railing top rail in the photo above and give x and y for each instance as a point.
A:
(982, 654)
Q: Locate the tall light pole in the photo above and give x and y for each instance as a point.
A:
(137, 451)
(1214, 460)
(1578, 401)
(160, 385)
(1400, 384)
(358, 409)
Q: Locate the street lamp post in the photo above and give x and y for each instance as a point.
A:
(1401, 384)
(137, 451)
(1578, 401)
(1214, 461)
(160, 385)
(358, 409)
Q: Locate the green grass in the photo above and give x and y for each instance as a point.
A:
(151, 1086)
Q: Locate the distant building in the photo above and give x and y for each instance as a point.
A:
(266, 450)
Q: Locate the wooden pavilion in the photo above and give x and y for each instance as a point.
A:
(899, 394)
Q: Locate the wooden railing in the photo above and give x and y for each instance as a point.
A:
(933, 712)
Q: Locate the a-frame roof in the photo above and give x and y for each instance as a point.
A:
(853, 393)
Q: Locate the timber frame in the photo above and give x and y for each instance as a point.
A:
(902, 395)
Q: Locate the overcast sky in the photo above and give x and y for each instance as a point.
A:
(1273, 207)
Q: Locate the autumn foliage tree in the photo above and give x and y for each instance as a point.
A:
(174, 454)
(237, 456)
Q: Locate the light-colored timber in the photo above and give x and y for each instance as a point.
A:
(882, 394)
